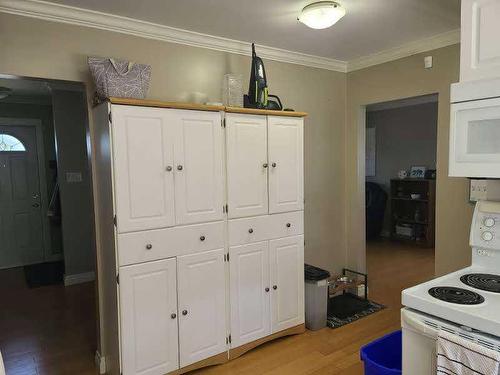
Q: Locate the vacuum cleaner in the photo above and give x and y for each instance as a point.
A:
(258, 92)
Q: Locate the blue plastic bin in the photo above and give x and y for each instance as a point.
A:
(383, 356)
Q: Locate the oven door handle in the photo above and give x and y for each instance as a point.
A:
(410, 320)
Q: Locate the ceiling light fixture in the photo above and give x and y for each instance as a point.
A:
(322, 14)
(4, 92)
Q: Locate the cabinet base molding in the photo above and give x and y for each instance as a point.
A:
(217, 359)
(240, 350)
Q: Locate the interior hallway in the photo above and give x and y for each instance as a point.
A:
(50, 330)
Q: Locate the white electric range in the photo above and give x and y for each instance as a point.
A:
(465, 302)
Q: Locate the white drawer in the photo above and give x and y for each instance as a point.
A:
(156, 244)
(267, 227)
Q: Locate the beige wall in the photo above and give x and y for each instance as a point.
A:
(401, 79)
(38, 48)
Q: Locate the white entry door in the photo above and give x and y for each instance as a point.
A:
(202, 306)
(247, 165)
(250, 292)
(148, 308)
(199, 172)
(21, 232)
(287, 282)
(143, 168)
(286, 173)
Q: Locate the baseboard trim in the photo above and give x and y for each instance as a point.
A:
(100, 363)
(79, 278)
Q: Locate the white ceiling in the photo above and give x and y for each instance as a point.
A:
(370, 26)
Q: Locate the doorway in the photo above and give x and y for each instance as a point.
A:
(400, 191)
(47, 241)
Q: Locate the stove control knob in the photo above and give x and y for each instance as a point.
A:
(489, 222)
(487, 236)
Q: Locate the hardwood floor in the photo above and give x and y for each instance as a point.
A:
(46, 330)
(391, 268)
(51, 330)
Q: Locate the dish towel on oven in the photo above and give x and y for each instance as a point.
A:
(457, 356)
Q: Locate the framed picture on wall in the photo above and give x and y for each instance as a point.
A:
(417, 172)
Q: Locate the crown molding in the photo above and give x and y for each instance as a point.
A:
(434, 42)
(110, 22)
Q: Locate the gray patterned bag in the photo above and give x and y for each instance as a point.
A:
(119, 78)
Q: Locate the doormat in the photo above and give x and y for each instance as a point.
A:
(347, 308)
(43, 274)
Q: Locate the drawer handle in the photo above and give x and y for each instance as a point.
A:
(267, 290)
(149, 246)
(275, 287)
(184, 312)
(179, 167)
(202, 238)
(273, 165)
(265, 165)
(173, 315)
(250, 230)
(169, 168)
(288, 225)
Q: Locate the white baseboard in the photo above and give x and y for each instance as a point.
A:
(100, 362)
(79, 278)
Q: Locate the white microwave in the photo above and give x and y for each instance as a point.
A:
(475, 129)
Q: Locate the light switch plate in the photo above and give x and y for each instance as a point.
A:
(428, 62)
(72, 177)
(484, 190)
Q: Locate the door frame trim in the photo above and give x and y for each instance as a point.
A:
(37, 124)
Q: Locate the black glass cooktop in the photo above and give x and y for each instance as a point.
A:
(456, 295)
(483, 281)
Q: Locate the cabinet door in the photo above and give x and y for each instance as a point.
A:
(199, 179)
(148, 308)
(286, 171)
(142, 142)
(202, 306)
(287, 282)
(480, 50)
(246, 138)
(249, 292)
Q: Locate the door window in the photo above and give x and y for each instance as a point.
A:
(10, 143)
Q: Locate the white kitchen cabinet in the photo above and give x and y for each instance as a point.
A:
(287, 282)
(199, 178)
(247, 165)
(174, 297)
(479, 48)
(249, 292)
(202, 306)
(148, 307)
(168, 167)
(142, 141)
(286, 170)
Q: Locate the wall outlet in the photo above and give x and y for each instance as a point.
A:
(361, 291)
(484, 190)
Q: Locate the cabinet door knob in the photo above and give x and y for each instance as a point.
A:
(250, 230)
(202, 238)
(149, 246)
(265, 165)
(173, 315)
(184, 312)
(179, 167)
(275, 287)
(267, 290)
(169, 168)
(288, 225)
(273, 165)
